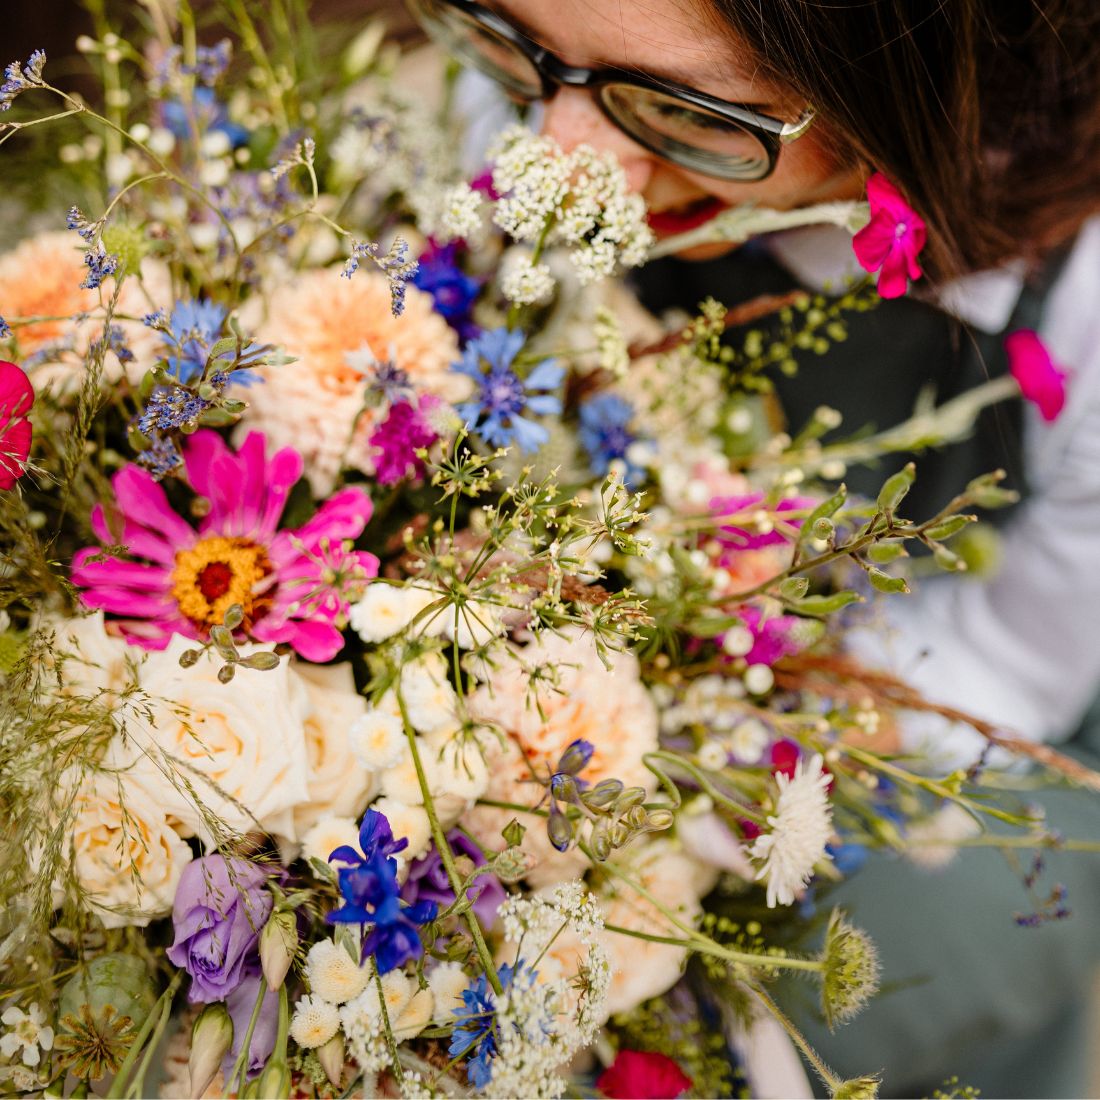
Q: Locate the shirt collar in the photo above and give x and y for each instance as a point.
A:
(821, 258)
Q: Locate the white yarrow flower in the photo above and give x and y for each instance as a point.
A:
(526, 283)
(461, 216)
(799, 830)
(314, 1022)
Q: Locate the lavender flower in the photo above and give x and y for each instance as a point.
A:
(497, 410)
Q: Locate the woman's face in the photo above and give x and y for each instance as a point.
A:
(675, 40)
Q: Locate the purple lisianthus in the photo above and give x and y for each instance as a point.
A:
(240, 1004)
(221, 905)
(428, 880)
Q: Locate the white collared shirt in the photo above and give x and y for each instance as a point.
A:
(1020, 649)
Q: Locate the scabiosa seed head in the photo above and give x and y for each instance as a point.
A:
(851, 970)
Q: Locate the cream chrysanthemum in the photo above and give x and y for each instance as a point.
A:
(329, 834)
(377, 739)
(314, 1022)
(316, 405)
(798, 832)
(333, 974)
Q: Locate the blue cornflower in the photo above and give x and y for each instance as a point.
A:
(372, 896)
(476, 1033)
(496, 411)
(605, 434)
(100, 264)
(452, 290)
(194, 327)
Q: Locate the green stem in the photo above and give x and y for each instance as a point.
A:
(744, 958)
(387, 1027)
(137, 1088)
(831, 1080)
(444, 849)
(114, 1092)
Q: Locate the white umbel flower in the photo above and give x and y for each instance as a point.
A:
(799, 829)
(314, 1022)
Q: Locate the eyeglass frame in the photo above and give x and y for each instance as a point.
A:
(554, 74)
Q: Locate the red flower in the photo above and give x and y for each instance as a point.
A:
(642, 1075)
(16, 399)
(890, 242)
(1040, 381)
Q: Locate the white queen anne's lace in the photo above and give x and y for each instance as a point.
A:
(799, 829)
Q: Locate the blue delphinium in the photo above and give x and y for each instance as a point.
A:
(497, 410)
(371, 896)
(476, 1032)
(452, 290)
(606, 435)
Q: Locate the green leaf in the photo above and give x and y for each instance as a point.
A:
(883, 582)
(895, 488)
(711, 626)
(226, 343)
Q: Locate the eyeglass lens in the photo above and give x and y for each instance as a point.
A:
(671, 127)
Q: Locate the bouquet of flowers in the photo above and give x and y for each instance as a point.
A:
(422, 669)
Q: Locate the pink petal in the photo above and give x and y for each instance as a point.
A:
(892, 278)
(143, 499)
(203, 449)
(342, 516)
(125, 601)
(16, 392)
(15, 447)
(872, 244)
(315, 641)
(883, 195)
(126, 574)
(1040, 380)
(283, 472)
(138, 540)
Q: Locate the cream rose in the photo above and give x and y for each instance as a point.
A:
(241, 745)
(126, 855)
(338, 784)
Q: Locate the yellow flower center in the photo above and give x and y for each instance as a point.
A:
(216, 573)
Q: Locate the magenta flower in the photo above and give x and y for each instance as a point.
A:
(1040, 381)
(735, 539)
(891, 241)
(397, 439)
(642, 1075)
(294, 585)
(16, 398)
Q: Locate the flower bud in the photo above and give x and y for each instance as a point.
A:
(331, 1057)
(274, 1082)
(211, 1038)
(278, 946)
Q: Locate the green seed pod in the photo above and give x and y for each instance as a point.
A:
(117, 980)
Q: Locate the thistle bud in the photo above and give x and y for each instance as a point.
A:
(331, 1057)
(278, 946)
(211, 1038)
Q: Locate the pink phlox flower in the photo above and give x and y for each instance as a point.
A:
(293, 584)
(396, 440)
(1040, 380)
(774, 638)
(16, 399)
(736, 539)
(892, 240)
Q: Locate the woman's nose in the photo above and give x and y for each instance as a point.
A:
(572, 118)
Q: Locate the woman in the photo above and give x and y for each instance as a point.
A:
(986, 115)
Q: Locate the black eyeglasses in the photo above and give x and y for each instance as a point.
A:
(725, 140)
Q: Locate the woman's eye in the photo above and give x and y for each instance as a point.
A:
(687, 118)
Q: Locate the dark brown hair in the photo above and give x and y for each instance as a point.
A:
(985, 113)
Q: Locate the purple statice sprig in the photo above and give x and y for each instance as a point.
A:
(395, 265)
(18, 79)
(211, 62)
(100, 263)
(500, 411)
(5, 330)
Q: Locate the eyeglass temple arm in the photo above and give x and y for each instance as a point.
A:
(791, 131)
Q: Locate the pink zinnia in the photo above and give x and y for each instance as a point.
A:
(643, 1075)
(891, 241)
(16, 399)
(1040, 380)
(293, 584)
